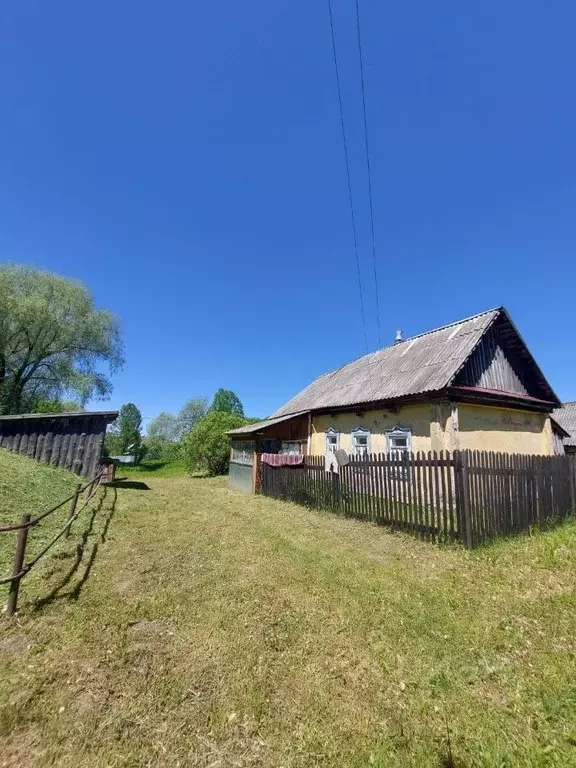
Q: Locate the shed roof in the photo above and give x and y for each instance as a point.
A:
(425, 363)
(108, 415)
(566, 417)
(260, 425)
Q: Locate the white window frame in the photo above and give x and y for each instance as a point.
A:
(401, 432)
(360, 432)
(331, 447)
(291, 451)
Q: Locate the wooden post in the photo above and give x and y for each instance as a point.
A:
(462, 491)
(467, 518)
(17, 567)
(73, 504)
(571, 464)
(335, 489)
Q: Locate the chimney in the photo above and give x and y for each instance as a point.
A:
(398, 338)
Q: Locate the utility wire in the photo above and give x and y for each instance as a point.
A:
(347, 162)
(359, 35)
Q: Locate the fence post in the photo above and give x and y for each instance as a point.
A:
(335, 489)
(73, 508)
(463, 497)
(572, 482)
(17, 566)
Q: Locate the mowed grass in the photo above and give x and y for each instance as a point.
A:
(222, 629)
(155, 467)
(28, 486)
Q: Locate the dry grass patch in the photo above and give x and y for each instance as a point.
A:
(220, 629)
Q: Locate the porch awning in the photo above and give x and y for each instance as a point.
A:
(259, 426)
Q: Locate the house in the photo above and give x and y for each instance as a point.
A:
(472, 385)
(565, 417)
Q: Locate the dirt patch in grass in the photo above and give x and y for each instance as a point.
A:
(221, 629)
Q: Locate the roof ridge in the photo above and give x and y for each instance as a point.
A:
(448, 325)
(410, 338)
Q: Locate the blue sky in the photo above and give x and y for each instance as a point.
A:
(185, 161)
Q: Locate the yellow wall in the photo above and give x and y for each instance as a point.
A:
(416, 417)
(444, 426)
(486, 428)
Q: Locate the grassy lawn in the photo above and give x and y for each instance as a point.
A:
(153, 467)
(221, 629)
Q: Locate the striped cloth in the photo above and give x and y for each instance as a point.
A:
(282, 459)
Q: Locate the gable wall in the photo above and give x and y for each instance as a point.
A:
(491, 367)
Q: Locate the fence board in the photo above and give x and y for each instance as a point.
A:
(472, 496)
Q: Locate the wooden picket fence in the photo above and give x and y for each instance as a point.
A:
(470, 496)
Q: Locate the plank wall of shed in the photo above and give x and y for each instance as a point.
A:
(73, 443)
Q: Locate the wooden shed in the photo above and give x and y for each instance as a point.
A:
(72, 440)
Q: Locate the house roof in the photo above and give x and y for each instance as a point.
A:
(566, 417)
(425, 363)
(260, 425)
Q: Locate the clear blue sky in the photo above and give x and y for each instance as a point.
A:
(185, 161)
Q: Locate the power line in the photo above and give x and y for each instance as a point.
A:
(359, 35)
(347, 162)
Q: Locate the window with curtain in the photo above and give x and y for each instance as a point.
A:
(332, 440)
(360, 441)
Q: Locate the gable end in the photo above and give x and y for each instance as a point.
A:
(502, 362)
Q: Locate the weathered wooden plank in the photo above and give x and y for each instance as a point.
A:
(408, 479)
(425, 508)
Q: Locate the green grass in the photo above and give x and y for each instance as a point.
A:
(221, 629)
(152, 467)
(28, 486)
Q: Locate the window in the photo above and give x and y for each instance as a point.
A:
(332, 440)
(361, 441)
(291, 448)
(399, 442)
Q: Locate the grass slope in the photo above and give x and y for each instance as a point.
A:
(221, 629)
(28, 486)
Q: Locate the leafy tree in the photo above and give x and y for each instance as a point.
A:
(52, 340)
(207, 446)
(165, 426)
(124, 436)
(159, 448)
(190, 413)
(45, 405)
(225, 401)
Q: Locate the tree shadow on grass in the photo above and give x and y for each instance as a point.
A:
(57, 592)
(135, 485)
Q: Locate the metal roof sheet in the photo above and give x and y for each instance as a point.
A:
(566, 417)
(110, 415)
(424, 363)
(259, 425)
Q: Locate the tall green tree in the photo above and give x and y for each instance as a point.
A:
(226, 401)
(207, 446)
(190, 413)
(125, 436)
(164, 426)
(53, 340)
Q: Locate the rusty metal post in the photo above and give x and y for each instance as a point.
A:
(73, 504)
(17, 567)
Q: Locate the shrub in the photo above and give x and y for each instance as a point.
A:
(207, 445)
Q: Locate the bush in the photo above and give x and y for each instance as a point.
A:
(160, 449)
(207, 445)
